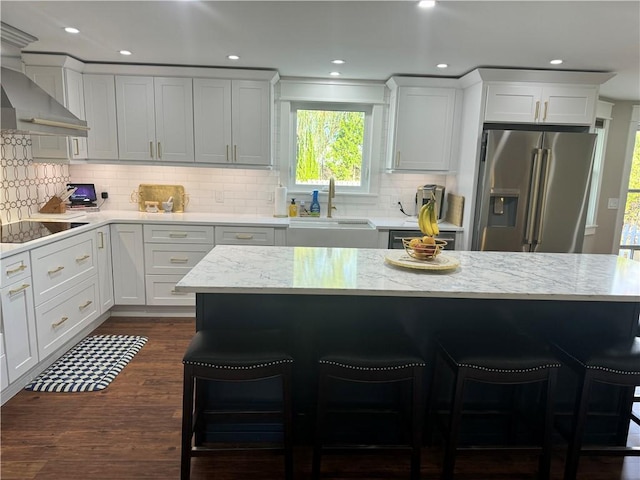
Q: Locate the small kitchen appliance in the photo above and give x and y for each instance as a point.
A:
(423, 195)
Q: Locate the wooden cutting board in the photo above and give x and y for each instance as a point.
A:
(455, 209)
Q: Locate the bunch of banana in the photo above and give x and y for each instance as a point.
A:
(427, 219)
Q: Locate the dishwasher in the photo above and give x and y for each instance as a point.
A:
(396, 236)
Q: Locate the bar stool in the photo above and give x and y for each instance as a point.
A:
(371, 358)
(498, 358)
(615, 362)
(232, 356)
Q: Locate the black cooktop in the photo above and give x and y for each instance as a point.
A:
(25, 231)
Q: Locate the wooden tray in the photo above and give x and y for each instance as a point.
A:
(442, 262)
(160, 193)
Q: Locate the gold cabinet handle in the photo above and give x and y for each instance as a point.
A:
(175, 292)
(22, 287)
(55, 270)
(85, 305)
(227, 153)
(244, 236)
(235, 153)
(101, 238)
(159, 150)
(179, 260)
(83, 257)
(535, 117)
(178, 235)
(397, 158)
(151, 149)
(59, 322)
(546, 105)
(17, 269)
(76, 147)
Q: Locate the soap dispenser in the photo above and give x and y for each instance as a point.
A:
(315, 205)
(293, 208)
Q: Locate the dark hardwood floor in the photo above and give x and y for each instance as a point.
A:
(131, 430)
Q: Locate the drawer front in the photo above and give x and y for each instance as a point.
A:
(16, 267)
(62, 317)
(244, 236)
(161, 291)
(178, 234)
(167, 258)
(62, 265)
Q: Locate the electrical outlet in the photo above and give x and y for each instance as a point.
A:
(393, 203)
(613, 203)
(104, 195)
(270, 197)
(219, 196)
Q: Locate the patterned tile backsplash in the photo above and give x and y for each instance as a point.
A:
(26, 185)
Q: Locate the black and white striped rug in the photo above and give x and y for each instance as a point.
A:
(89, 366)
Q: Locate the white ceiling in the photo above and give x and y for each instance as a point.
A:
(376, 38)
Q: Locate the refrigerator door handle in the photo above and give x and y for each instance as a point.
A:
(533, 196)
(543, 196)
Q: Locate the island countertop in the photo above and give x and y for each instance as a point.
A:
(364, 272)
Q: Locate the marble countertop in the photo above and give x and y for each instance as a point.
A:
(97, 219)
(345, 271)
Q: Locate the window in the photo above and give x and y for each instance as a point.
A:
(596, 173)
(331, 141)
(630, 239)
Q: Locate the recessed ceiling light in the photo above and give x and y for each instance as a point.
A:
(427, 3)
(233, 57)
(125, 52)
(556, 62)
(442, 65)
(335, 74)
(337, 62)
(71, 30)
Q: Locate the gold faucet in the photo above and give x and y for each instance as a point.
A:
(332, 194)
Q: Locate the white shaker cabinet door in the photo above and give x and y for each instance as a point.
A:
(250, 122)
(136, 117)
(105, 268)
(212, 120)
(569, 104)
(174, 119)
(100, 111)
(128, 264)
(75, 103)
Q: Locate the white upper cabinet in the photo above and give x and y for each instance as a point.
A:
(541, 103)
(100, 110)
(155, 118)
(231, 121)
(66, 86)
(421, 127)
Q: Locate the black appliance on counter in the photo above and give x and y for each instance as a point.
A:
(396, 236)
(27, 230)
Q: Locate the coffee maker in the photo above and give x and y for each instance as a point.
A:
(423, 195)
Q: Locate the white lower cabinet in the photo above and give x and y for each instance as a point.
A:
(61, 318)
(238, 235)
(105, 268)
(128, 264)
(17, 317)
(4, 372)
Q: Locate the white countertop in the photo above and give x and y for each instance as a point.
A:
(96, 219)
(345, 271)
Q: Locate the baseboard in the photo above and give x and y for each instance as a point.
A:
(152, 311)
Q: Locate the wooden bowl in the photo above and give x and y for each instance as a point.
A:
(423, 251)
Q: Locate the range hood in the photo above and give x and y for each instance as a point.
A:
(28, 109)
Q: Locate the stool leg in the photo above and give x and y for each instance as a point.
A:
(454, 426)
(432, 402)
(201, 391)
(287, 421)
(417, 409)
(187, 423)
(549, 397)
(323, 385)
(577, 431)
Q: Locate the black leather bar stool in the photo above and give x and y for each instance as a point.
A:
(499, 358)
(232, 356)
(615, 362)
(375, 358)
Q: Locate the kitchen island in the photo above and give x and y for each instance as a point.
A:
(314, 293)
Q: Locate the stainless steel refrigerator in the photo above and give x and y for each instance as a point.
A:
(533, 190)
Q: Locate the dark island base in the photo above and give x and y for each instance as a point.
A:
(312, 320)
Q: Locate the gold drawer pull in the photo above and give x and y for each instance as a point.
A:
(178, 235)
(179, 260)
(244, 236)
(17, 269)
(55, 270)
(59, 322)
(175, 292)
(85, 305)
(22, 287)
(84, 257)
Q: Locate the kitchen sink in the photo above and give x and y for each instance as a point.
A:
(331, 232)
